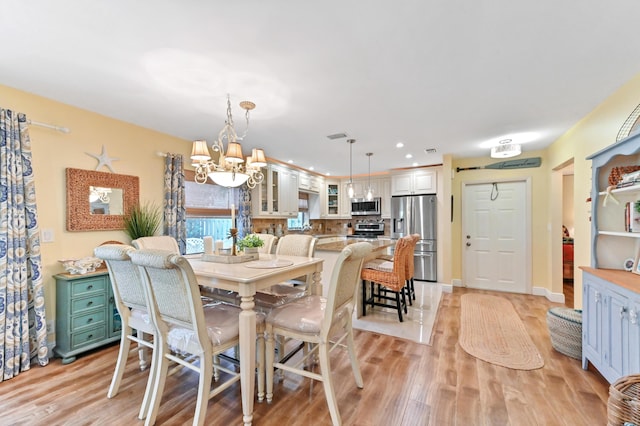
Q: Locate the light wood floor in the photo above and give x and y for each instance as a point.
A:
(405, 384)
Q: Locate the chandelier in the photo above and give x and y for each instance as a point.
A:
(228, 169)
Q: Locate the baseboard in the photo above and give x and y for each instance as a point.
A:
(456, 282)
(552, 297)
(446, 288)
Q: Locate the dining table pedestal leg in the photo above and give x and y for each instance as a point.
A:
(247, 329)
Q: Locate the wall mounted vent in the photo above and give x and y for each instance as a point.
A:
(337, 136)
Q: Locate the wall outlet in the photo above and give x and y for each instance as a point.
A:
(51, 326)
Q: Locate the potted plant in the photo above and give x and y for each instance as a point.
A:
(250, 243)
(142, 220)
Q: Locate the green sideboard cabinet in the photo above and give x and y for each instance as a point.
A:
(86, 317)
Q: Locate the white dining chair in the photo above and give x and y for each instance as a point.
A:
(185, 327)
(129, 299)
(167, 242)
(289, 245)
(268, 241)
(316, 320)
(157, 242)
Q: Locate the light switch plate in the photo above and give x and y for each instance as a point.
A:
(47, 235)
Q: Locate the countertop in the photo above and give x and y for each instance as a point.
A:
(337, 246)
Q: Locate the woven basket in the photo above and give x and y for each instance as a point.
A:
(565, 330)
(624, 401)
(615, 177)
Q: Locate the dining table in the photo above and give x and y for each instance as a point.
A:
(246, 278)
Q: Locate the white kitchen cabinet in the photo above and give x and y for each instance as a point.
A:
(414, 182)
(277, 194)
(611, 295)
(332, 199)
(288, 192)
(384, 187)
(309, 183)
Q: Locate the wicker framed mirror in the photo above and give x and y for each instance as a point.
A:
(81, 187)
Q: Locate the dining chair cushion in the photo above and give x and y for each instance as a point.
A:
(379, 265)
(222, 326)
(302, 315)
(141, 315)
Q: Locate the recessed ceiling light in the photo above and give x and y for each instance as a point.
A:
(290, 161)
(415, 164)
(408, 156)
(311, 168)
(327, 174)
(399, 145)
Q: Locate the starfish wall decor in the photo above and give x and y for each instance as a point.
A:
(103, 159)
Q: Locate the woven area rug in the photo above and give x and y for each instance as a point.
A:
(491, 330)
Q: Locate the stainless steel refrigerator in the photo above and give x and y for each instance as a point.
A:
(416, 214)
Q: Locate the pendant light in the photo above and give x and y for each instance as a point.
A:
(370, 188)
(350, 189)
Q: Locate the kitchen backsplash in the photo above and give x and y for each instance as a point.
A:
(318, 226)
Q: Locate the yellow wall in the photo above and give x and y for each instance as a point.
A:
(53, 152)
(594, 132)
(539, 201)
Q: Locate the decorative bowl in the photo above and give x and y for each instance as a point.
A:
(81, 266)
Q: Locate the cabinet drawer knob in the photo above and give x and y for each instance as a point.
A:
(623, 309)
(90, 303)
(90, 287)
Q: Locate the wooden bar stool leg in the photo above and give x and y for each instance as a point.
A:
(399, 306)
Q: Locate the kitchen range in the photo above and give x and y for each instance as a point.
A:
(369, 229)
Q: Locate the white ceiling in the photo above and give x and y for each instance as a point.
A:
(444, 74)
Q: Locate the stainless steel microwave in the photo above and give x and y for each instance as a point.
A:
(364, 207)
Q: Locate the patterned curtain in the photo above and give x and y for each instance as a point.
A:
(174, 208)
(244, 211)
(23, 325)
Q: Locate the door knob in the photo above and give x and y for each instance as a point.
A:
(468, 237)
(468, 244)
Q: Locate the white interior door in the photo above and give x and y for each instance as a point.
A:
(495, 240)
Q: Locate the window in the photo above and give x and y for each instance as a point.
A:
(208, 212)
(297, 222)
(303, 213)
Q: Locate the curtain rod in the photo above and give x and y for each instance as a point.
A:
(49, 126)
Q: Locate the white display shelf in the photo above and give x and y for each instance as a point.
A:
(620, 234)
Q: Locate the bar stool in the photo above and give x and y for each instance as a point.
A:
(390, 277)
